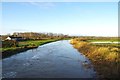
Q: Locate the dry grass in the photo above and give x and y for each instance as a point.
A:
(106, 60)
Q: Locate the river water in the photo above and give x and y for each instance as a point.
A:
(53, 60)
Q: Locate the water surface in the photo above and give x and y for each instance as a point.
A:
(53, 60)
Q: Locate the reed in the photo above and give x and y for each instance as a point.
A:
(106, 59)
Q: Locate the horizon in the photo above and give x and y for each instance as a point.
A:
(71, 18)
(11, 34)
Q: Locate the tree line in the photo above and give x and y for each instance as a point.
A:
(35, 35)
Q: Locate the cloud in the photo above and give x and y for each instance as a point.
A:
(45, 5)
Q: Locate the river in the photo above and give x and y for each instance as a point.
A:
(53, 60)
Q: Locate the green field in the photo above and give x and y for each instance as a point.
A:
(35, 43)
(11, 47)
(114, 40)
(29, 43)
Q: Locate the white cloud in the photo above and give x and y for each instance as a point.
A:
(42, 4)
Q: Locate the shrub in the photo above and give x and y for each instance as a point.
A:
(9, 43)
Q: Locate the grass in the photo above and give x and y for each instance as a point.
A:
(23, 46)
(28, 44)
(106, 45)
(35, 43)
(6, 49)
(105, 57)
(104, 40)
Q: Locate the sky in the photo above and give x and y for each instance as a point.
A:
(72, 18)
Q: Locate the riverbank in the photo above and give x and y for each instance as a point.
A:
(24, 46)
(104, 57)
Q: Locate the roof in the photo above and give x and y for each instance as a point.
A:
(14, 37)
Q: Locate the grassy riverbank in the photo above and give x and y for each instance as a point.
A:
(23, 46)
(105, 57)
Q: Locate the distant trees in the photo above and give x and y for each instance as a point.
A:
(38, 36)
(34, 35)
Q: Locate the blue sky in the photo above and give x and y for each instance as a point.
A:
(73, 18)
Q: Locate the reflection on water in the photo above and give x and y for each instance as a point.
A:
(10, 74)
(53, 60)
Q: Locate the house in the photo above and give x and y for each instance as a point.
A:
(14, 38)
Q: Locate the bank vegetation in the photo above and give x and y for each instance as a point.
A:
(104, 57)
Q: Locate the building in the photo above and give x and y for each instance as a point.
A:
(14, 38)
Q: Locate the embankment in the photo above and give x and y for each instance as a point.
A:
(105, 59)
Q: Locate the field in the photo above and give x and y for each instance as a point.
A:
(12, 47)
(105, 57)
